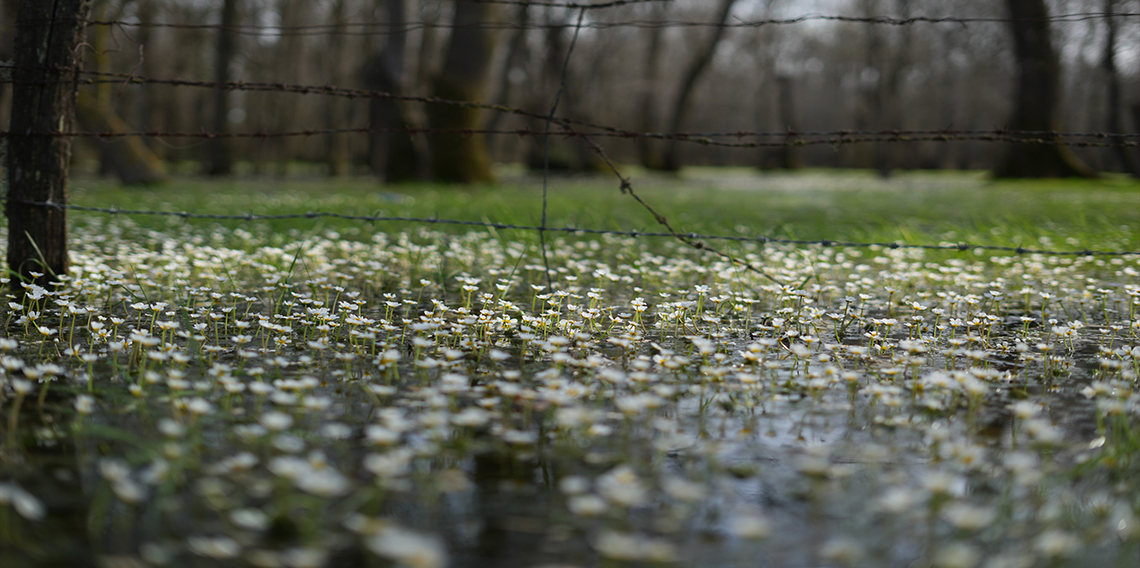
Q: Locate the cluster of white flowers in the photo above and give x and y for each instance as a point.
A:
(649, 395)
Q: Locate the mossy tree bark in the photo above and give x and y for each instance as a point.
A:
(1038, 94)
(43, 101)
(456, 157)
(128, 157)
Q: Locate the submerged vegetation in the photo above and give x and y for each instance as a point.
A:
(194, 395)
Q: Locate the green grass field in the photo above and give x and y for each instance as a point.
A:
(327, 392)
(911, 207)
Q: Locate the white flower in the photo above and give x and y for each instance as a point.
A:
(574, 485)
(25, 503)
(750, 526)
(304, 558)
(587, 505)
(114, 470)
(1053, 543)
(632, 547)
(199, 406)
(251, 519)
(968, 517)
(391, 464)
(408, 548)
(128, 491)
(381, 436)
(218, 548)
(683, 489)
(322, 482)
(471, 417)
(957, 555)
(842, 550)
(84, 404)
(621, 486)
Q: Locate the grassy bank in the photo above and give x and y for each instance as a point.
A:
(916, 208)
(330, 393)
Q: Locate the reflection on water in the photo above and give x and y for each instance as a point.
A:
(904, 412)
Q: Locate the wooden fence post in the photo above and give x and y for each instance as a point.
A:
(45, 68)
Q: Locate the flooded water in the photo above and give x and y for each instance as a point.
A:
(422, 401)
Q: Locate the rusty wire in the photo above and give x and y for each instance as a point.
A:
(567, 5)
(572, 127)
(385, 28)
(789, 139)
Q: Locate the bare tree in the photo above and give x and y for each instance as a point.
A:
(127, 157)
(1037, 98)
(466, 65)
(696, 68)
(880, 81)
(7, 35)
(559, 152)
(393, 156)
(220, 152)
(649, 150)
(785, 157)
(145, 108)
(1113, 120)
(43, 98)
(513, 61)
(336, 108)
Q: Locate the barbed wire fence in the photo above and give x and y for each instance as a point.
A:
(554, 125)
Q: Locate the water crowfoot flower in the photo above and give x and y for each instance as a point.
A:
(25, 503)
(408, 548)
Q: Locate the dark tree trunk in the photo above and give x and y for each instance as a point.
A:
(127, 157)
(221, 162)
(1113, 120)
(869, 91)
(145, 114)
(787, 157)
(890, 83)
(454, 157)
(696, 68)
(291, 64)
(336, 110)
(1038, 93)
(7, 35)
(43, 100)
(648, 149)
(392, 156)
(559, 152)
(516, 54)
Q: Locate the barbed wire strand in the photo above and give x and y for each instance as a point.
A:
(626, 187)
(837, 137)
(568, 5)
(693, 240)
(251, 217)
(385, 28)
(793, 139)
(546, 141)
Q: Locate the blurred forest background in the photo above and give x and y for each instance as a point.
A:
(668, 66)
